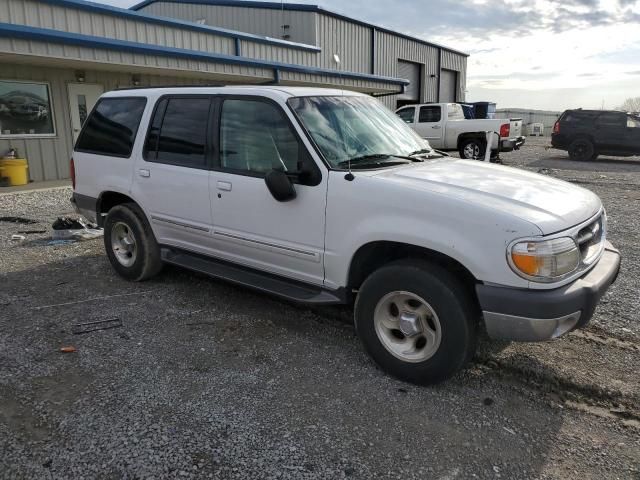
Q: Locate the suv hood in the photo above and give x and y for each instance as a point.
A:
(550, 204)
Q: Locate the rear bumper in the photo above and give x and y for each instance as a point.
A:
(509, 144)
(85, 206)
(536, 315)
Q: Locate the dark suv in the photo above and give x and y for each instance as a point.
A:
(585, 134)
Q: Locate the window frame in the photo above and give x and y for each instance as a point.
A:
(438, 107)
(135, 133)
(217, 137)
(208, 149)
(28, 136)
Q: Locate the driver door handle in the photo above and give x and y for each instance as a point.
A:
(437, 127)
(224, 186)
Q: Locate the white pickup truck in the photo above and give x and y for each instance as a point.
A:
(444, 126)
(323, 197)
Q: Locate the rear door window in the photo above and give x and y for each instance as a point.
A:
(611, 120)
(430, 114)
(178, 132)
(112, 127)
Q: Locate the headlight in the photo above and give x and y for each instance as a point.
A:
(545, 261)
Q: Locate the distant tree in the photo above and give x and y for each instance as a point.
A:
(631, 105)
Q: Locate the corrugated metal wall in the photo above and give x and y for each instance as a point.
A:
(546, 117)
(43, 15)
(390, 48)
(49, 157)
(350, 41)
(262, 21)
(458, 63)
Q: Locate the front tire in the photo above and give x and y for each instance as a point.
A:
(416, 321)
(472, 149)
(130, 244)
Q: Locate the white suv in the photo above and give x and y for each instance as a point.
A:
(326, 197)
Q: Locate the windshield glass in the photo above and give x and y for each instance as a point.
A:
(347, 127)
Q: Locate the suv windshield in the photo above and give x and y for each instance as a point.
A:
(348, 128)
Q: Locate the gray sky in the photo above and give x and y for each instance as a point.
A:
(548, 54)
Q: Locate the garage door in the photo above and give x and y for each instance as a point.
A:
(448, 86)
(411, 72)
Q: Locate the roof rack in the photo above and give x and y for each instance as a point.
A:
(183, 85)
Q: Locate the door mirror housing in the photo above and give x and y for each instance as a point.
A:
(280, 185)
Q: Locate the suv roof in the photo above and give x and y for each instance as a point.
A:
(264, 90)
(590, 112)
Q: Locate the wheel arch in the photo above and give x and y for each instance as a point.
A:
(373, 255)
(109, 199)
(463, 137)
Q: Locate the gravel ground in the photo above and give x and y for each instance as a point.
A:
(208, 380)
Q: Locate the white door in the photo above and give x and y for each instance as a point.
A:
(82, 98)
(171, 174)
(430, 125)
(250, 226)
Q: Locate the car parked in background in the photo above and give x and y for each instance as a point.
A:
(445, 127)
(586, 134)
(323, 197)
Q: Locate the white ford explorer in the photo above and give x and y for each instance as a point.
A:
(326, 197)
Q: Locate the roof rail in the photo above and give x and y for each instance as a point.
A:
(179, 85)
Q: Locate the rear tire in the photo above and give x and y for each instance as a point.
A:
(130, 244)
(416, 321)
(472, 149)
(581, 149)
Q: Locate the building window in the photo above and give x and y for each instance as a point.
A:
(25, 109)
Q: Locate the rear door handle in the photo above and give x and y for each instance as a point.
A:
(224, 186)
(143, 172)
(437, 127)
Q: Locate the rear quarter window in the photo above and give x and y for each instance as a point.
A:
(112, 127)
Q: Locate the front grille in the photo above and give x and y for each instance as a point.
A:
(590, 239)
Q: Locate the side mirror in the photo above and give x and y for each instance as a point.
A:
(280, 185)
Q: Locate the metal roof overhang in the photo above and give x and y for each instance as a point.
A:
(13, 31)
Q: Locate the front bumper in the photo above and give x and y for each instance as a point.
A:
(527, 315)
(509, 144)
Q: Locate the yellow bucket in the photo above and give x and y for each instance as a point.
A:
(16, 169)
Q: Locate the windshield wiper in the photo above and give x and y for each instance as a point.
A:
(365, 159)
(420, 152)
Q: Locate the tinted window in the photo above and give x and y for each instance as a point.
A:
(576, 116)
(180, 138)
(111, 129)
(256, 137)
(429, 114)
(612, 119)
(408, 114)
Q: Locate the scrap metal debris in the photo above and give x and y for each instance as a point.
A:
(67, 228)
(22, 220)
(94, 299)
(87, 327)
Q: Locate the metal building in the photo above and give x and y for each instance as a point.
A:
(58, 56)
